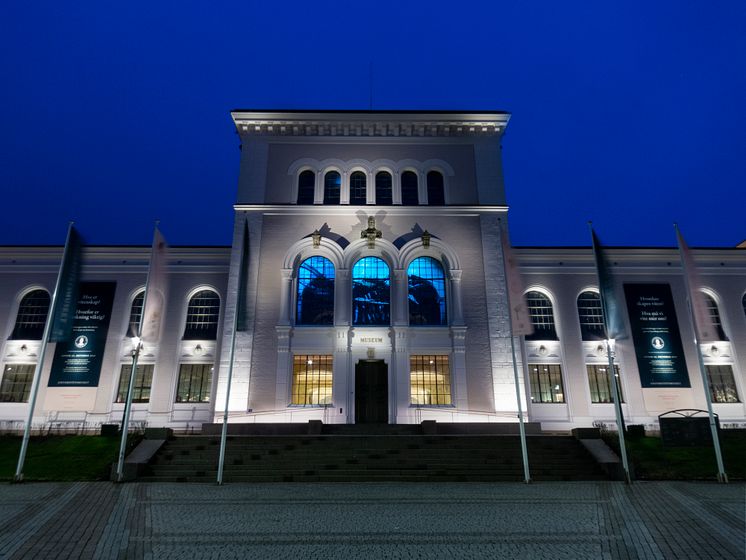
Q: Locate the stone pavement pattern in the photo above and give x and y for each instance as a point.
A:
(480, 520)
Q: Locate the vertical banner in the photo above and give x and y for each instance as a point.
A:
(77, 361)
(655, 333)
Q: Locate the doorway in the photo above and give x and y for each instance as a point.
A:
(371, 392)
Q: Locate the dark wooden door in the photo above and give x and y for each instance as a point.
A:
(371, 392)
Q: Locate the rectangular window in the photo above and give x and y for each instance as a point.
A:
(546, 383)
(430, 380)
(195, 381)
(600, 384)
(722, 384)
(16, 384)
(312, 380)
(141, 388)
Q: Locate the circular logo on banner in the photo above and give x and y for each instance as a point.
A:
(657, 343)
(81, 341)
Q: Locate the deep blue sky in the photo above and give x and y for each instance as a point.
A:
(629, 113)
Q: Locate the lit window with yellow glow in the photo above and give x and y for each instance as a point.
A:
(312, 380)
(430, 380)
(546, 383)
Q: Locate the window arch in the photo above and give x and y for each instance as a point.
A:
(202, 316)
(136, 313)
(315, 292)
(712, 309)
(409, 189)
(591, 316)
(332, 187)
(542, 317)
(306, 187)
(436, 195)
(427, 292)
(32, 316)
(358, 184)
(384, 188)
(371, 292)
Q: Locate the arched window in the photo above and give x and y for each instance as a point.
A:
(409, 194)
(32, 315)
(436, 195)
(332, 187)
(371, 292)
(306, 187)
(358, 182)
(591, 316)
(712, 308)
(384, 189)
(427, 292)
(542, 317)
(202, 316)
(136, 313)
(315, 294)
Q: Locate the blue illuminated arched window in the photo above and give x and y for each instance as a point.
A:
(427, 292)
(332, 187)
(371, 292)
(315, 292)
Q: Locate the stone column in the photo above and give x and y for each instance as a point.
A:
(456, 303)
(285, 296)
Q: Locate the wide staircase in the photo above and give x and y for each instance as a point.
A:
(351, 457)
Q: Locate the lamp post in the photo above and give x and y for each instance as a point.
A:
(136, 347)
(618, 409)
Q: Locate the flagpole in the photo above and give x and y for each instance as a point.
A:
(240, 297)
(610, 355)
(135, 355)
(521, 427)
(224, 432)
(722, 476)
(40, 363)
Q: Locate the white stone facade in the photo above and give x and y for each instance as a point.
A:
(463, 235)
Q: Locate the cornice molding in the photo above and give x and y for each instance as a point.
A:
(351, 210)
(369, 125)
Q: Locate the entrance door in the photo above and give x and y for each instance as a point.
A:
(371, 392)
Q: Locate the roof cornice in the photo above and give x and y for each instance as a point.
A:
(369, 123)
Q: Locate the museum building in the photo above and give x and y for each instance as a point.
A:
(375, 293)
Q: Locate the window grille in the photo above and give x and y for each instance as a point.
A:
(542, 317)
(712, 308)
(600, 383)
(436, 195)
(430, 380)
(32, 315)
(358, 193)
(195, 381)
(427, 292)
(371, 292)
(16, 384)
(141, 388)
(591, 316)
(332, 187)
(409, 194)
(722, 384)
(315, 295)
(546, 383)
(136, 314)
(306, 187)
(384, 188)
(312, 380)
(202, 316)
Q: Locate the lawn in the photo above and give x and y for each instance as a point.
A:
(60, 457)
(653, 461)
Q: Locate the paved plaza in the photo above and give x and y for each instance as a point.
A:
(299, 521)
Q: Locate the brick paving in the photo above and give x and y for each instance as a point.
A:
(375, 520)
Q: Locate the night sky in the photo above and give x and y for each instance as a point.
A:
(629, 113)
